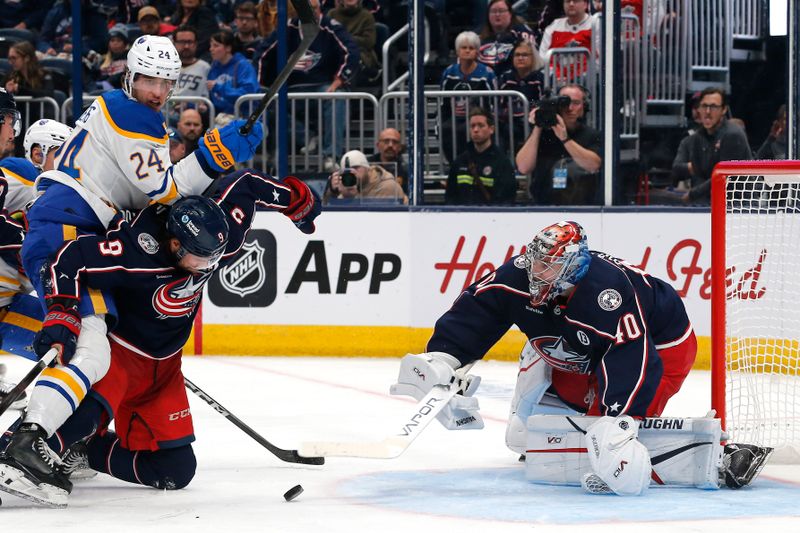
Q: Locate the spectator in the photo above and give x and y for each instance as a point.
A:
(55, 38)
(190, 129)
(483, 173)
(775, 145)
(373, 6)
(718, 140)
(565, 157)
(231, 74)
(389, 156)
(194, 13)
(466, 74)
(328, 66)
(194, 71)
(357, 180)
(526, 77)
(149, 21)
(500, 32)
(23, 14)
(27, 78)
(246, 33)
(268, 16)
(360, 24)
(573, 30)
(112, 64)
(177, 148)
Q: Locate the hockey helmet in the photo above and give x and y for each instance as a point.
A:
(556, 259)
(48, 134)
(9, 111)
(201, 227)
(154, 56)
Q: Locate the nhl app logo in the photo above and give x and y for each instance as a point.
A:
(246, 274)
(250, 280)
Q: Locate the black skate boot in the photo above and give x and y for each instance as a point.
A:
(29, 469)
(741, 463)
(75, 462)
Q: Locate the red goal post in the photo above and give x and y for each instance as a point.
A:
(755, 303)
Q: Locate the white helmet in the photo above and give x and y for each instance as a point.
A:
(151, 55)
(48, 134)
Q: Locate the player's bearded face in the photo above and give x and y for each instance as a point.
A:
(152, 92)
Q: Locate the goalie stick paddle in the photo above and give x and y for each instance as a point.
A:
(394, 445)
(17, 391)
(309, 26)
(290, 456)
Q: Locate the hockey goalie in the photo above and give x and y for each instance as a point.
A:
(608, 346)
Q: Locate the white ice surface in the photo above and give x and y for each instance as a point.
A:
(460, 481)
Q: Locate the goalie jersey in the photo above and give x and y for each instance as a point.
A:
(156, 300)
(611, 327)
(119, 150)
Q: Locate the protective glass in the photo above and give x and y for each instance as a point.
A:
(195, 263)
(155, 85)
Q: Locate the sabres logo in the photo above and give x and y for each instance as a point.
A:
(179, 298)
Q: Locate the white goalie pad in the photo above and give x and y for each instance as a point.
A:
(683, 451)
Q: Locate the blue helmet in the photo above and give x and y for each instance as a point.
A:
(201, 227)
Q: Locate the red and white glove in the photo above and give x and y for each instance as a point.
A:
(304, 205)
(60, 329)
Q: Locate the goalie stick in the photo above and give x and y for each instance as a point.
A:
(17, 391)
(309, 26)
(290, 456)
(394, 445)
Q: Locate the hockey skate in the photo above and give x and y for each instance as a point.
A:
(29, 469)
(741, 464)
(75, 463)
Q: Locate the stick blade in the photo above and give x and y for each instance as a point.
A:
(362, 450)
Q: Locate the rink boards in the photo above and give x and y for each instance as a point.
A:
(374, 283)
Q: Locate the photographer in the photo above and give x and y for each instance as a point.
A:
(357, 180)
(562, 152)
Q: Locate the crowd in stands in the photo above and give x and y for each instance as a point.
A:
(228, 49)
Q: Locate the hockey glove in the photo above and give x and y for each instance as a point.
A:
(419, 373)
(221, 148)
(60, 329)
(304, 205)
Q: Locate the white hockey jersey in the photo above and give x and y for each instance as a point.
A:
(20, 175)
(119, 151)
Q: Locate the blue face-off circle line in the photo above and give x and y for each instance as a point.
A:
(503, 494)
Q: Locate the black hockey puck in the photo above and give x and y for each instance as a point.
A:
(293, 493)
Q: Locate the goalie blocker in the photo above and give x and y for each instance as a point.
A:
(683, 452)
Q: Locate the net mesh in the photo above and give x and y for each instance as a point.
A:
(762, 245)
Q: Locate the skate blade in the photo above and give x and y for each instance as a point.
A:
(13, 481)
(82, 473)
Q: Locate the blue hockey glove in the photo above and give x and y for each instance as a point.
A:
(221, 148)
(60, 328)
(304, 205)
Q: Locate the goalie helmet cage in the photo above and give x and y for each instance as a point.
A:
(755, 303)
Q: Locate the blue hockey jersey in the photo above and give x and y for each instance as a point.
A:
(612, 326)
(156, 300)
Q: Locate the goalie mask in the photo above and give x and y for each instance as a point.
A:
(556, 259)
(201, 227)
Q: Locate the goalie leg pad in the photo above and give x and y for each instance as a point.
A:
(533, 380)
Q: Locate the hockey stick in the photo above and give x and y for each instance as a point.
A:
(34, 372)
(290, 456)
(394, 445)
(309, 26)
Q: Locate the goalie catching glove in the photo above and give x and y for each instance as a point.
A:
(220, 148)
(617, 457)
(304, 205)
(60, 328)
(419, 373)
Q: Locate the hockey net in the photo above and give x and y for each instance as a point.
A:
(755, 298)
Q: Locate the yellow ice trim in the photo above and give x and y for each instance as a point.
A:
(67, 379)
(353, 341)
(126, 133)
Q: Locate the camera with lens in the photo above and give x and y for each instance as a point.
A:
(548, 109)
(348, 178)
